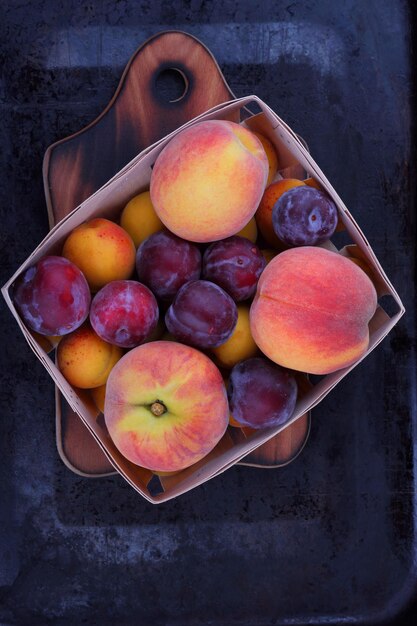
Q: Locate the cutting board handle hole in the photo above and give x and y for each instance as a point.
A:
(171, 85)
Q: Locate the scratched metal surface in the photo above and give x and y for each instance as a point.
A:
(331, 537)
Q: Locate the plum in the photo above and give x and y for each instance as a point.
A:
(304, 216)
(234, 264)
(52, 296)
(164, 263)
(202, 315)
(124, 313)
(261, 394)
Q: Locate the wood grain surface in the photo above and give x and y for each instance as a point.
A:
(142, 110)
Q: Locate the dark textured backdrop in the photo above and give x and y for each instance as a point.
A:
(328, 539)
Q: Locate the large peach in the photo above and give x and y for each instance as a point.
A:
(166, 406)
(102, 250)
(208, 180)
(86, 360)
(311, 310)
(263, 214)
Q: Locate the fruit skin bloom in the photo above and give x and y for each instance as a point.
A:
(261, 394)
(202, 315)
(304, 216)
(234, 264)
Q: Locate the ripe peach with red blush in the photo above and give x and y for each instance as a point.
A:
(312, 309)
(166, 406)
(207, 182)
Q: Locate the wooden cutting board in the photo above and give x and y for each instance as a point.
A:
(170, 79)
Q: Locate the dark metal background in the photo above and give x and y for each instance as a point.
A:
(331, 537)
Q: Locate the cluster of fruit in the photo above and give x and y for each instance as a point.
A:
(158, 314)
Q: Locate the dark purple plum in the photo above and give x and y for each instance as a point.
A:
(261, 394)
(202, 315)
(304, 216)
(165, 262)
(235, 264)
(124, 313)
(52, 296)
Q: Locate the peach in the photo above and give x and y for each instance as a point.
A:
(208, 180)
(166, 406)
(271, 155)
(102, 250)
(249, 231)
(85, 360)
(139, 219)
(240, 344)
(263, 214)
(312, 309)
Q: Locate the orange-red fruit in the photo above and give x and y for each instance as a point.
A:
(208, 180)
(312, 309)
(312, 182)
(263, 214)
(271, 154)
(166, 406)
(85, 359)
(102, 250)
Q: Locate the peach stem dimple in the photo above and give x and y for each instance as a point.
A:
(158, 408)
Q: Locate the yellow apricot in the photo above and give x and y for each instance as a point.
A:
(85, 360)
(249, 231)
(240, 344)
(139, 219)
(271, 155)
(102, 250)
(99, 394)
(311, 182)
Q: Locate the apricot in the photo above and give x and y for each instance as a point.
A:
(139, 219)
(234, 423)
(99, 394)
(263, 214)
(249, 231)
(312, 182)
(166, 406)
(271, 155)
(240, 344)
(312, 309)
(208, 180)
(102, 250)
(85, 360)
